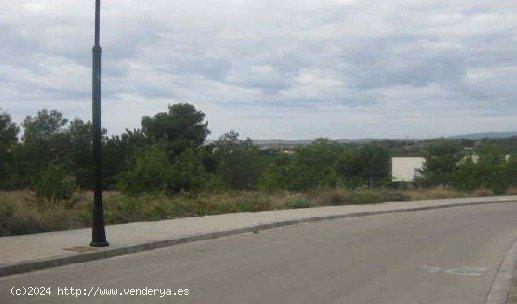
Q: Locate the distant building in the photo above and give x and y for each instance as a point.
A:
(288, 152)
(475, 158)
(406, 169)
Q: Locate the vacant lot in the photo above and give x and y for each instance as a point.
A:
(22, 213)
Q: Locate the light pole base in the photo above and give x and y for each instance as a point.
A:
(99, 244)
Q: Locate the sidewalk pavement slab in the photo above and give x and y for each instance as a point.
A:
(43, 250)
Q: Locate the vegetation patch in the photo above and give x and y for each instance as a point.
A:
(21, 212)
(299, 203)
(167, 168)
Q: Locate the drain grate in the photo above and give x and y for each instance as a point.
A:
(81, 249)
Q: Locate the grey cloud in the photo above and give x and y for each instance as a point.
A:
(403, 61)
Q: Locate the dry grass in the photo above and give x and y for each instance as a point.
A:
(22, 213)
(511, 191)
(432, 193)
(482, 192)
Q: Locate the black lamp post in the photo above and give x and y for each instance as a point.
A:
(98, 233)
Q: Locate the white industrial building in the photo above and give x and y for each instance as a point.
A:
(406, 169)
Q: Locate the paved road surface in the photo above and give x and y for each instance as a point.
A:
(436, 256)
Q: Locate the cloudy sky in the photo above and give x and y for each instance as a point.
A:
(271, 69)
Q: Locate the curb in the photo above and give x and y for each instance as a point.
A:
(502, 282)
(17, 268)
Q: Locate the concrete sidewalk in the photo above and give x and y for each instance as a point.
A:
(36, 251)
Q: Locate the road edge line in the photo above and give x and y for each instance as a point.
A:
(108, 252)
(502, 281)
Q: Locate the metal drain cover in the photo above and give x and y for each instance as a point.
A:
(81, 249)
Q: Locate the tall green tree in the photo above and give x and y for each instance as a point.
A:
(118, 151)
(50, 138)
(44, 127)
(8, 141)
(8, 132)
(181, 127)
(44, 141)
(78, 135)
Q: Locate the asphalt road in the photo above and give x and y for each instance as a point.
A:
(435, 256)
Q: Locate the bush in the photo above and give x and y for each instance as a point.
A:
(299, 203)
(441, 160)
(253, 205)
(150, 172)
(497, 179)
(369, 165)
(277, 175)
(364, 197)
(188, 172)
(12, 222)
(239, 162)
(55, 184)
(491, 172)
(332, 197)
(124, 209)
(466, 176)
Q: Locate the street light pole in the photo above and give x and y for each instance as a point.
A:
(98, 233)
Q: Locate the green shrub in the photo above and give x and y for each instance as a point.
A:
(188, 172)
(299, 203)
(124, 209)
(394, 196)
(199, 207)
(369, 165)
(150, 172)
(466, 176)
(55, 184)
(364, 197)
(55, 217)
(311, 167)
(491, 172)
(441, 160)
(239, 162)
(159, 210)
(12, 222)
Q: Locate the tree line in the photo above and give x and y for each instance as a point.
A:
(169, 153)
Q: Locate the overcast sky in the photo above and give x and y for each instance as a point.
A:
(271, 69)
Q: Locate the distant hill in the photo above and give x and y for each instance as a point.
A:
(302, 142)
(471, 136)
(476, 136)
(404, 147)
